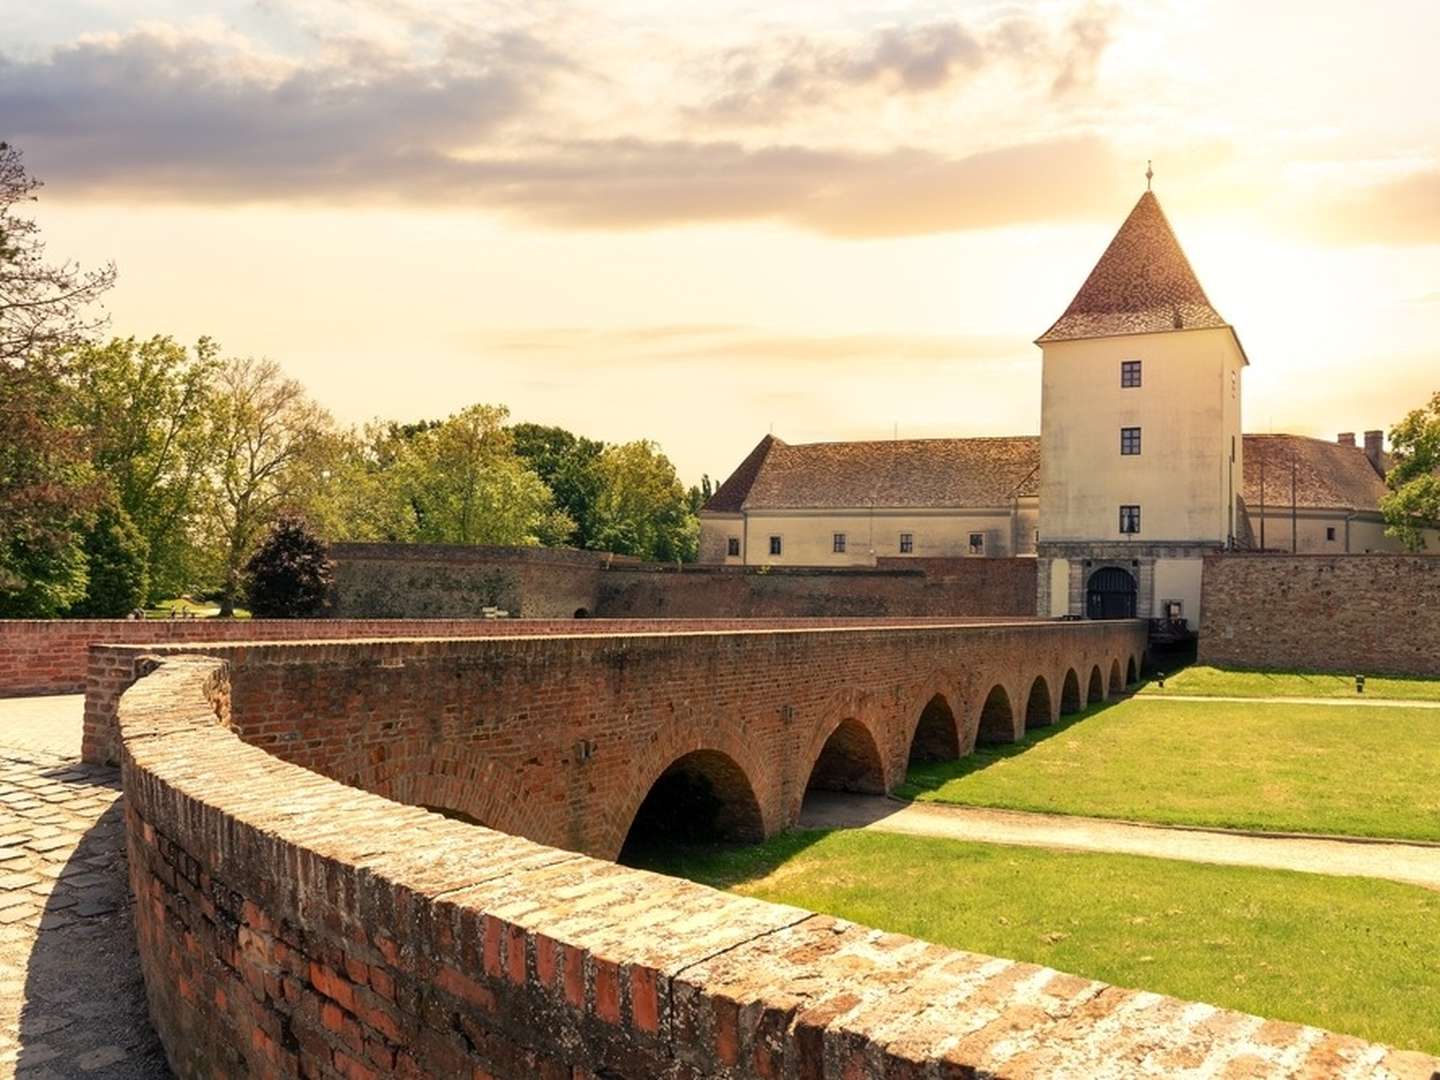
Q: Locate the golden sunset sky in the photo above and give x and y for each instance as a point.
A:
(695, 221)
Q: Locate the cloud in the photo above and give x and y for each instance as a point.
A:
(1088, 35)
(1403, 211)
(161, 114)
(194, 114)
(665, 345)
(772, 79)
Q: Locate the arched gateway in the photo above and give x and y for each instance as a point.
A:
(1110, 594)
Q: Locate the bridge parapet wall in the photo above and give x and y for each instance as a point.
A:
(289, 925)
(48, 656)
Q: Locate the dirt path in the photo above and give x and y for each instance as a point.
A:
(1386, 703)
(1414, 864)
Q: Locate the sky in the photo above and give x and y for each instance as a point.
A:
(702, 222)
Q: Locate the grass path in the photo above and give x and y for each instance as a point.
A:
(1220, 682)
(1278, 767)
(1351, 954)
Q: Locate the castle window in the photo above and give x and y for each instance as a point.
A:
(838, 544)
(732, 546)
(907, 543)
(977, 543)
(1330, 532)
(1129, 519)
(775, 545)
(1129, 440)
(1129, 373)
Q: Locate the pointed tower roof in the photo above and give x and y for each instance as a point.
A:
(1143, 284)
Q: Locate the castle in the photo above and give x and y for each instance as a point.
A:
(1140, 468)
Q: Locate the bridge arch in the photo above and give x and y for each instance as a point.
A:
(1116, 685)
(936, 735)
(1132, 673)
(1070, 700)
(997, 718)
(1039, 712)
(1096, 690)
(702, 796)
(848, 760)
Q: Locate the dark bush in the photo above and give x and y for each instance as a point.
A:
(290, 574)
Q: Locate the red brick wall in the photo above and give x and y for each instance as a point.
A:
(898, 587)
(496, 728)
(48, 656)
(1373, 614)
(290, 926)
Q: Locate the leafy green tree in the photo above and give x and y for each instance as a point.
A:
(264, 425)
(118, 562)
(569, 465)
(700, 494)
(467, 486)
(145, 407)
(1414, 478)
(643, 509)
(290, 574)
(48, 491)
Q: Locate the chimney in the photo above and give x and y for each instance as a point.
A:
(1346, 438)
(1375, 450)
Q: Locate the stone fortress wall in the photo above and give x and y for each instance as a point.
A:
(292, 925)
(1371, 614)
(426, 581)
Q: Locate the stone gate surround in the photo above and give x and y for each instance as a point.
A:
(290, 924)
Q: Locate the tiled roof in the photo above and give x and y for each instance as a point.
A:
(1143, 284)
(981, 472)
(729, 497)
(1328, 475)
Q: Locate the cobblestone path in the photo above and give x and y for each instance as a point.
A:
(72, 1002)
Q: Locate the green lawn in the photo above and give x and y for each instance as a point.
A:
(1226, 683)
(1354, 955)
(1291, 768)
(184, 607)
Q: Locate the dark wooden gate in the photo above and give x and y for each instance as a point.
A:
(1110, 594)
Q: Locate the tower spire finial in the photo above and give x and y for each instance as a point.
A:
(1149, 174)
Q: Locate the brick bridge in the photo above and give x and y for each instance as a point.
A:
(560, 738)
(289, 925)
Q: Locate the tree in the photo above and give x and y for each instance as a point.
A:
(290, 573)
(42, 305)
(1414, 478)
(264, 423)
(466, 485)
(117, 560)
(569, 466)
(48, 492)
(144, 406)
(698, 496)
(643, 509)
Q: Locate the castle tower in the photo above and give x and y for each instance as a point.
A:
(1141, 454)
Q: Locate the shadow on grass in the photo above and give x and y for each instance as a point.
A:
(724, 866)
(926, 776)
